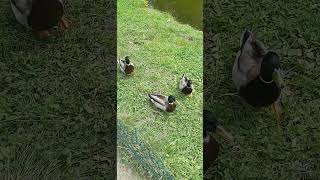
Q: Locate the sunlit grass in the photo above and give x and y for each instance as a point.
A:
(162, 50)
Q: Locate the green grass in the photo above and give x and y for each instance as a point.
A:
(57, 96)
(266, 151)
(162, 50)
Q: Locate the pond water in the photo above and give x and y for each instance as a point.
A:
(185, 11)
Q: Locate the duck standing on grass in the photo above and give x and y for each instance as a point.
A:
(126, 66)
(186, 85)
(210, 145)
(165, 103)
(256, 74)
(40, 15)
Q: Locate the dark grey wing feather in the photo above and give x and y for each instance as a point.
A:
(157, 97)
(24, 6)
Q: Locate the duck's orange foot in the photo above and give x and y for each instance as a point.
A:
(43, 34)
(278, 110)
(64, 23)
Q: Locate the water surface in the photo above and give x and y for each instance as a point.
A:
(185, 11)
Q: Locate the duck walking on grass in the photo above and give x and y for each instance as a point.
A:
(210, 145)
(40, 15)
(256, 74)
(186, 85)
(165, 103)
(126, 66)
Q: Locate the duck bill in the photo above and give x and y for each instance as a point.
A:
(224, 134)
(277, 78)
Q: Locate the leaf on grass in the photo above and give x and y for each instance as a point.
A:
(310, 65)
(310, 55)
(294, 52)
(302, 42)
(55, 106)
(88, 108)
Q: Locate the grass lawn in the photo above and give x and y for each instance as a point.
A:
(162, 50)
(57, 96)
(291, 151)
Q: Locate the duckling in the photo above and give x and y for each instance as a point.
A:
(126, 66)
(186, 85)
(256, 74)
(165, 103)
(210, 145)
(40, 15)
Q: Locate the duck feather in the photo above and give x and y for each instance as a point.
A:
(159, 101)
(122, 65)
(22, 9)
(248, 61)
(183, 82)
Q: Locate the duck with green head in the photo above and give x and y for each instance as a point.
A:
(256, 74)
(165, 103)
(40, 15)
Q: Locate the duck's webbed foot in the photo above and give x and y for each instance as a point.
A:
(277, 107)
(64, 23)
(43, 34)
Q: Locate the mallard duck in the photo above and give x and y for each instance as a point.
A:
(210, 145)
(40, 15)
(165, 103)
(256, 74)
(186, 85)
(126, 66)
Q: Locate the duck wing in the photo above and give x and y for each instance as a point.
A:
(159, 99)
(248, 62)
(61, 1)
(23, 6)
(21, 10)
(183, 82)
(122, 65)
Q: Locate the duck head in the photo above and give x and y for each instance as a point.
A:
(189, 83)
(211, 125)
(127, 60)
(270, 69)
(171, 99)
(45, 14)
